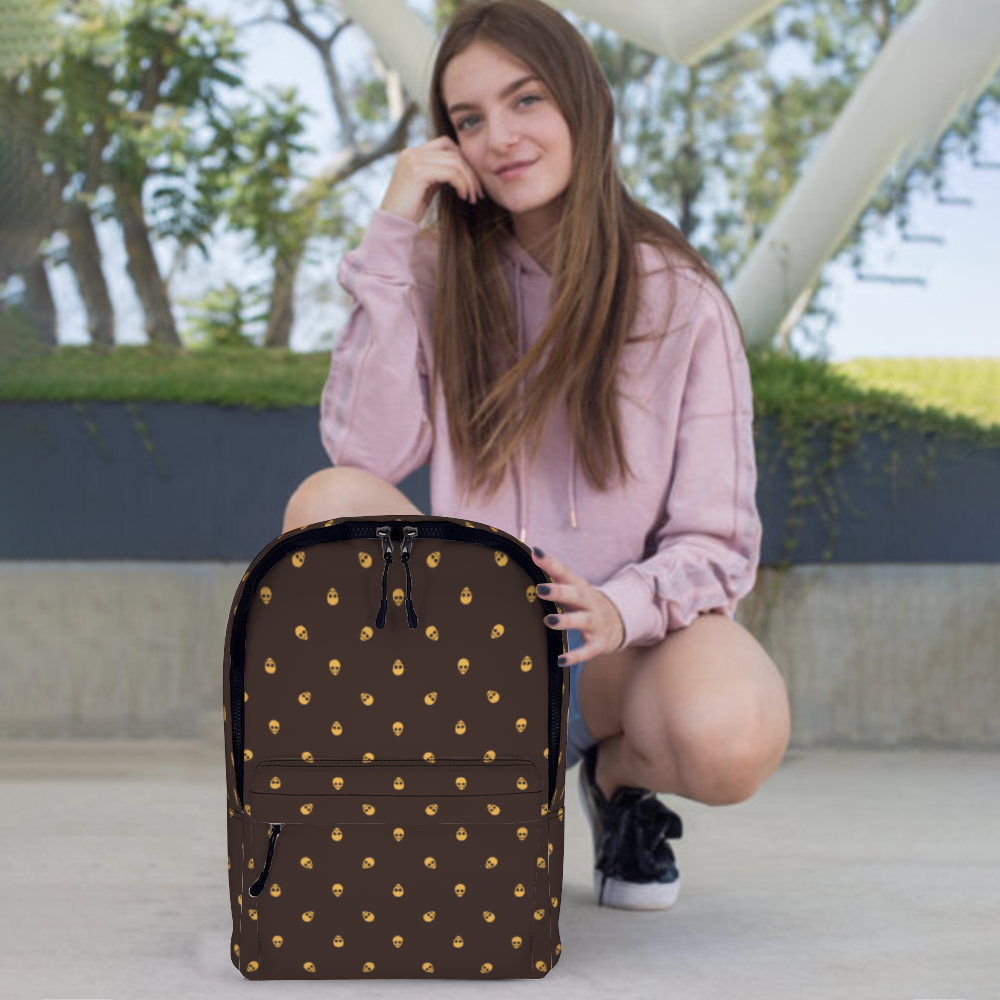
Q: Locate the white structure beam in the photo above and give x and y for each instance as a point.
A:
(402, 40)
(683, 30)
(938, 61)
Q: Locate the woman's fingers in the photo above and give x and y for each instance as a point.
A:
(476, 186)
(567, 620)
(464, 184)
(555, 568)
(581, 654)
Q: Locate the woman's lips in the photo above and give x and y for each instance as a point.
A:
(516, 171)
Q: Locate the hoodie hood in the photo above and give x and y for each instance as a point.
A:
(525, 271)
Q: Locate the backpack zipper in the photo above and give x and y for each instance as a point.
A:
(258, 887)
(409, 533)
(445, 530)
(385, 533)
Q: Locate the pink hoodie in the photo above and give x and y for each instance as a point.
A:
(680, 540)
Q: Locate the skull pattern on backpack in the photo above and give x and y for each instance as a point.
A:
(395, 755)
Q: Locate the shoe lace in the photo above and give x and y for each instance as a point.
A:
(637, 830)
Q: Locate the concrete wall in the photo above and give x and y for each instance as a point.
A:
(191, 482)
(874, 655)
(126, 529)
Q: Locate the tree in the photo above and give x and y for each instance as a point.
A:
(313, 211)
(27, 197)
(717, 146)
(129, 120)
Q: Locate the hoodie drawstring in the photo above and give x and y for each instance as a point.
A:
(522, 493)
(517, 255)
(572, 483)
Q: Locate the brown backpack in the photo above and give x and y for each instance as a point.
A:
(394, 759)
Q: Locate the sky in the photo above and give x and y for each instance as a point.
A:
(955, 313)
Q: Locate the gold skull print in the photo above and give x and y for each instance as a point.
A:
(397, 820)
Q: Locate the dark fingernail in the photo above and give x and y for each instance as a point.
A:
(538, 552)
(551, 619)
(562, 661)
(543, 589)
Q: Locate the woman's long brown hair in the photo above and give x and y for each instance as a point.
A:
(595, 271)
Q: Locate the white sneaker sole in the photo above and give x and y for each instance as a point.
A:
(637, 895)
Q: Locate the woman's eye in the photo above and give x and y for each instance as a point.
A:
(468, 118)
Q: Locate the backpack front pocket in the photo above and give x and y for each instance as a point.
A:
(401, 868)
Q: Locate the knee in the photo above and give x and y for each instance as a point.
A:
(324, 494)
(723, 775)
(722, 763)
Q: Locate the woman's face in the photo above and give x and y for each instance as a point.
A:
(500, 126)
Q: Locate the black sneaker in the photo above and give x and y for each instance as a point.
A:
(634, 866)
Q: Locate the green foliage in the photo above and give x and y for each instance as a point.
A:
(251, 174)
(935, 392)
(820, 410)
(147, 98)
(223, 376)
(959, 387)
(717, 146)
(29, 33)
(371, 100)
(18, 338)
(807, 392)
(222, 317)
(139, 96)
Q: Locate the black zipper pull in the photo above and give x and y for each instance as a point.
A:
(258, 887)
(385, 533)
(409, 533)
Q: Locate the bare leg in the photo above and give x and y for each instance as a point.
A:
(703, 714)
(340, 492)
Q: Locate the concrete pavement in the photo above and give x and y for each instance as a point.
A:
(850, 874)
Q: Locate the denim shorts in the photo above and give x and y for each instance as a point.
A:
(578, 738)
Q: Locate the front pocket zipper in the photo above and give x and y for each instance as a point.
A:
(445, 530)
(258, 887)
(397, 868)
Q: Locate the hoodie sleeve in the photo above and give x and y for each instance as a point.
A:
(708, 544)
(374, 410)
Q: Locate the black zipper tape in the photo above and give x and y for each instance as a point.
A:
(445, 530)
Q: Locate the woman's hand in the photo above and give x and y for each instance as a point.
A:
(584, 608)
(422, 170)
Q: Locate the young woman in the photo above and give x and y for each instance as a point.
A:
(564, 333)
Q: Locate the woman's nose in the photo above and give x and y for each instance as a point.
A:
(503, 137)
